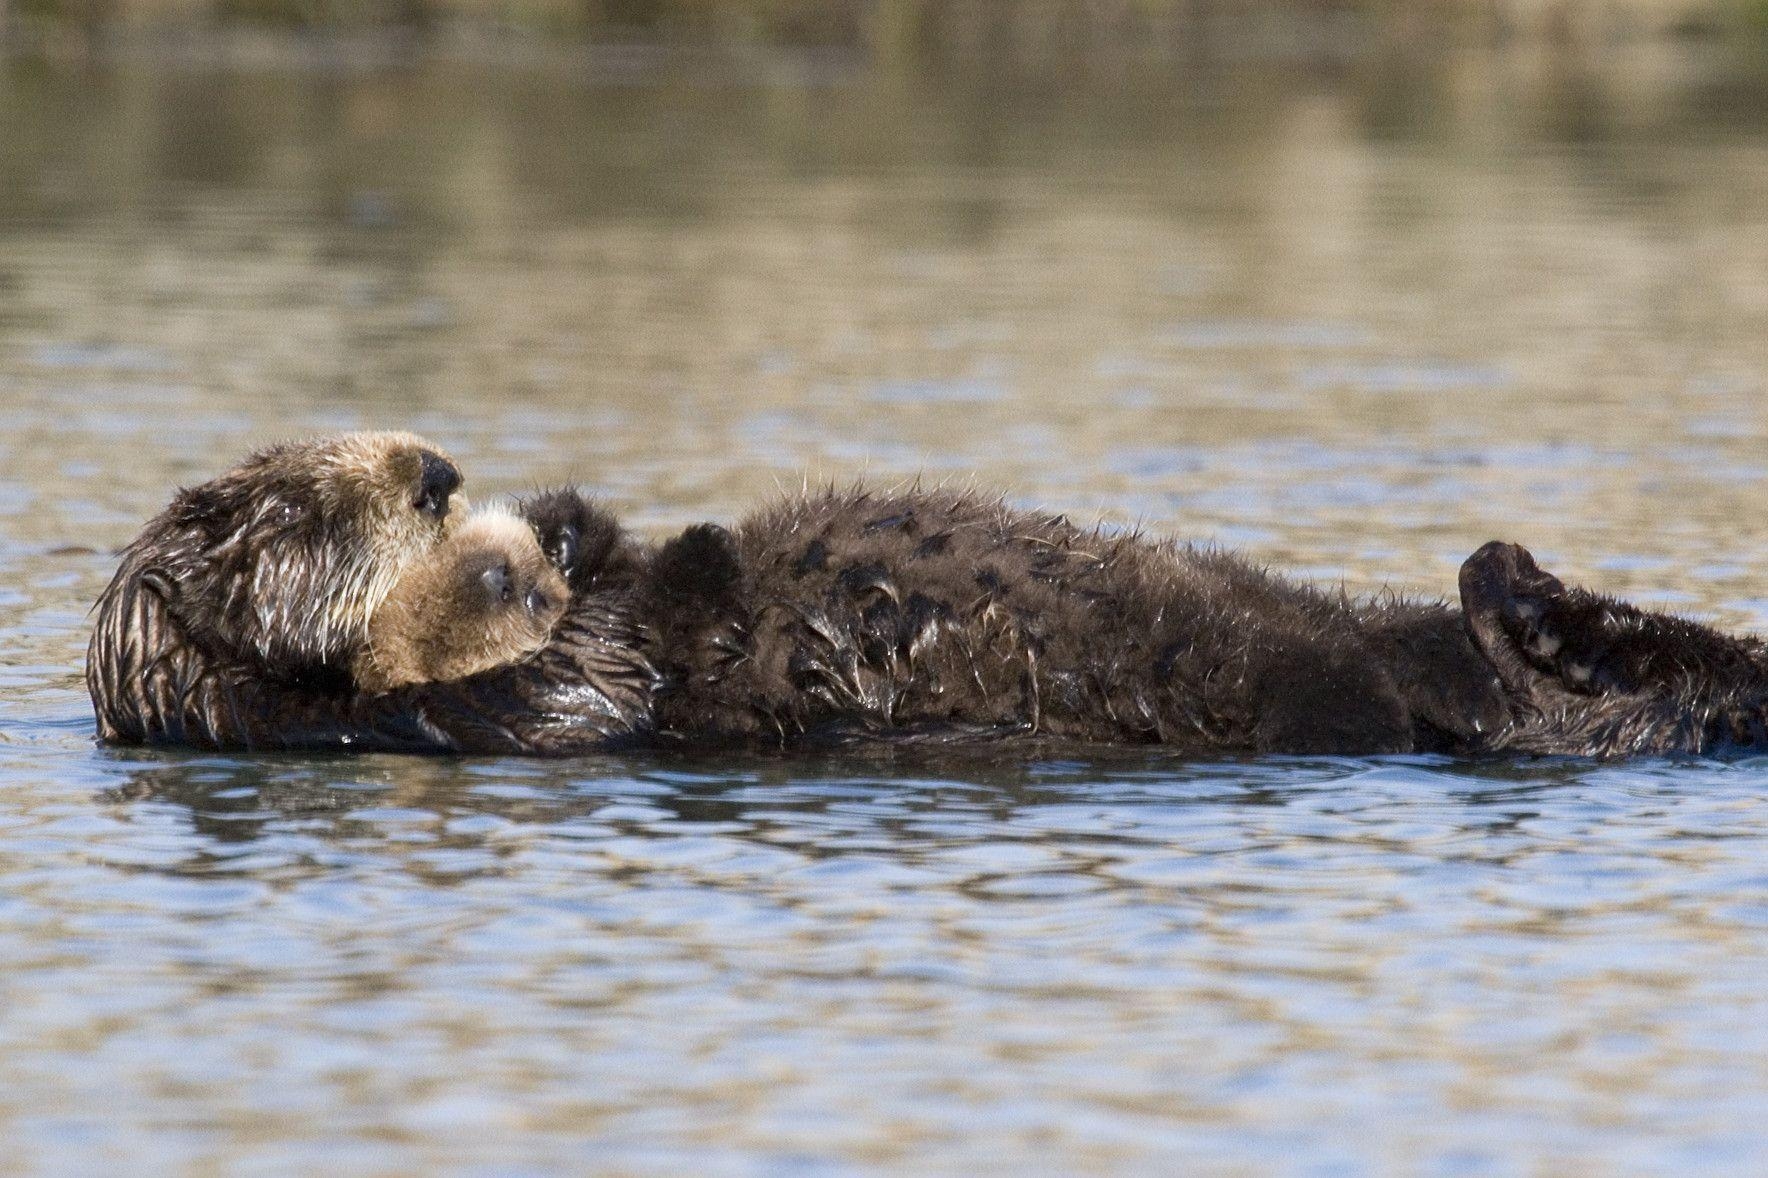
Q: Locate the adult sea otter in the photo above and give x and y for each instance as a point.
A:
(909, 615)
(238, 612)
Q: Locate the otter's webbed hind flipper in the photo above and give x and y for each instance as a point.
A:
(1596, 675)
(1532, 626)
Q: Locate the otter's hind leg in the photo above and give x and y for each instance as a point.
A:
(1545, 637)
(1596, 676)
(1325, 698)
(1456, 700)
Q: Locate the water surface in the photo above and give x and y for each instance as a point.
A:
(1354, 319)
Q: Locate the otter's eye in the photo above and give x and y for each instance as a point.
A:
(437, 480)
(496, 580)
(287, 513)
(537, 602)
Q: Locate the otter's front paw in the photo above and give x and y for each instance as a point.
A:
(579, 538)
(698, 569)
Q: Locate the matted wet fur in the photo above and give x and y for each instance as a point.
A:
(937, 614)
(486, 596)
(235, 615)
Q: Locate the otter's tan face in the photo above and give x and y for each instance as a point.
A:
(486, 597)
(288, 555)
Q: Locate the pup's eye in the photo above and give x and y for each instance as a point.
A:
(437, 479)
(537, 602)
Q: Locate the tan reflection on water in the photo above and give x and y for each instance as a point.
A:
(1221, 308)
(1357, 323)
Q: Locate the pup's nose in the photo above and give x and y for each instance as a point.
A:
(496, 580)
(436, 481)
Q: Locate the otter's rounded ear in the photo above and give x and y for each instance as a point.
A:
(161, 583)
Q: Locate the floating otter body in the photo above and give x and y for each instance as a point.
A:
(938, 614)
(485, 597)
(239, 615)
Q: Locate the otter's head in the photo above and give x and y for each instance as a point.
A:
(487, 596)
(286, 557)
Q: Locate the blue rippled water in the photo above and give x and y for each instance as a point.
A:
(1262, 312)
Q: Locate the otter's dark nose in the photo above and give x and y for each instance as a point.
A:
(436, 481)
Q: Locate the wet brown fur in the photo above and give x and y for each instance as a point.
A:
(485, 597)
(273, 567)
(903, 615)
(944, 614)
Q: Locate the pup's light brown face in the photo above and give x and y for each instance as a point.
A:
(486, 597)
(288, 555)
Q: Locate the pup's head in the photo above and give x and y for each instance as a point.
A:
(486, 597)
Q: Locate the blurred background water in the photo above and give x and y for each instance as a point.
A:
(1354, 308)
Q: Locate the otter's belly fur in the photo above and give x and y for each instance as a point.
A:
(933, 613)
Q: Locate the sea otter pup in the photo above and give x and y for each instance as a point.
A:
(486, 596)
(237, 615)
(941, 615)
